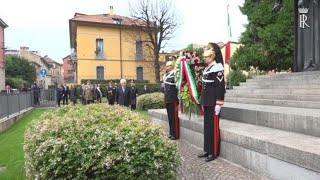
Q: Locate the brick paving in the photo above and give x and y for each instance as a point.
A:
(194, 168)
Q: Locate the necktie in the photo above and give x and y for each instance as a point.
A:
(123, 89)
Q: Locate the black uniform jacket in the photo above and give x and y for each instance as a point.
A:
(170, 89)
(213, 88)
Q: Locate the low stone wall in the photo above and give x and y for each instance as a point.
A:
(6, 123)
(256, 155)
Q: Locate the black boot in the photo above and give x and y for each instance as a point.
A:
(209, 158)
(202, 155)
(277, 6)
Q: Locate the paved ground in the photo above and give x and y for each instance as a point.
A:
(194, 168)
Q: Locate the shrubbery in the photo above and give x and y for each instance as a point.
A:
(15, 83)
(97, 142)
(237, 76)
(151, 101)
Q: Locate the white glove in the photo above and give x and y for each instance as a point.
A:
(217, 109)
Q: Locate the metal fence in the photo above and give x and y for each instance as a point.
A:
(14, 103)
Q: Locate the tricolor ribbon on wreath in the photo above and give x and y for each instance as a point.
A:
(188, 71)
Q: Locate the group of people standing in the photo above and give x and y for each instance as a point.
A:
(63, 93)
(122, 95)
(212, 99)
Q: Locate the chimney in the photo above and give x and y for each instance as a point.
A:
(111, 11)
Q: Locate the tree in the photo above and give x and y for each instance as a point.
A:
(268, 42)
(20, 68)
(159, 22)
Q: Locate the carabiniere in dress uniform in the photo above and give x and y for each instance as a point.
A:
(171, 101)
(212, 98)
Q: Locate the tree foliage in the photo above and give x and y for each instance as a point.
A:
(268, 42)
(17, 67)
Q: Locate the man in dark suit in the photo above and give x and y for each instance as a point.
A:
(111, 93)
(133, 95)
(123, 94)
(171, 100)
(146, 89)
(65, 94)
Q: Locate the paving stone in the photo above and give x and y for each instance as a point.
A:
(195, 168)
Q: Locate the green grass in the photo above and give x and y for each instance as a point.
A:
(11, 148)
(143, 113)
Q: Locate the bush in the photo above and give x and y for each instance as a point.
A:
(97, 142)
(106, 81)
(152, 87)
(237, 76)
(151, 101)
(15, 83)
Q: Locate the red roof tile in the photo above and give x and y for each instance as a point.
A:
(106, 19)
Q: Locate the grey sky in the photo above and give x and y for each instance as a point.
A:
(43, 24)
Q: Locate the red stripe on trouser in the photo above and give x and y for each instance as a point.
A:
(215, 135)
(176, 120)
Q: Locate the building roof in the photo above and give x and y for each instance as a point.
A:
(3, 24)
(50, 61)
(107, 19)
(112, 20)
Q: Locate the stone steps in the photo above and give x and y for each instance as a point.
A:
(290, 76)
(281, 82)
(299, 120)
(274, 153)
(273, 86)
(297, 149)
(275, 96)
(302, 91)
(275, 102)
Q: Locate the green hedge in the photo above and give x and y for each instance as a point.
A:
(151, 101)
(237, 76)
(105, 81)
(97, 142)
(15, 83)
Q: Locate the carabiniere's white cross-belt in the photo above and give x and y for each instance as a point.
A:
(207, 81)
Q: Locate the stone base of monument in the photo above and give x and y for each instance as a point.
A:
(277, 141)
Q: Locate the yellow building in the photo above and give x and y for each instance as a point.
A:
(109, 47)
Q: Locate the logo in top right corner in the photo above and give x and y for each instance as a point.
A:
(303, 17)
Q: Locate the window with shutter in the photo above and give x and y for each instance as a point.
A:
(100, 72)
(140, 73)
(99, 48)
(139, 50)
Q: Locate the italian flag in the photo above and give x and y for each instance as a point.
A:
(228, 44)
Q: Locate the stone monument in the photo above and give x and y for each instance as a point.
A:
(307, 34)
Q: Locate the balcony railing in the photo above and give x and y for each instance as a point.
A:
(99, 55)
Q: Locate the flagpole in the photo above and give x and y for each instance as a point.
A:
(230, 85)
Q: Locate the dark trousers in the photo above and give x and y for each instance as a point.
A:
(65, 99)
(83, 100)
(211, 131)
(59, 101)
(133, 106)
(172, 111)
(89, 101)
(111, 102)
